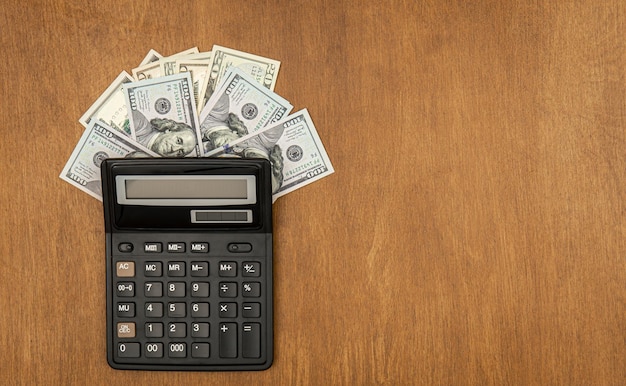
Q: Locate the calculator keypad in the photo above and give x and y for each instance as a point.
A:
(190, 303)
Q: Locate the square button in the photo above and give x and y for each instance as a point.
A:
(251, 269)
(200, 330)
(228, 290)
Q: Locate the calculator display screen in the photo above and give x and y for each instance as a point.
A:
(186, 190)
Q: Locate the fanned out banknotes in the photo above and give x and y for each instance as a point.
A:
(218, 103)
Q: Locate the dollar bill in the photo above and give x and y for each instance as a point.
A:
(98, 142)
(240, 106)
(198, 68)
(110, 107)
(151, 56)
(163, 116)
(151, 68)
(264, 70)
(292, 146)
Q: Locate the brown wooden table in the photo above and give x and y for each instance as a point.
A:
(474, 230)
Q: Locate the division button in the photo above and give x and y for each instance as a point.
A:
(228, 340)
(228, 290)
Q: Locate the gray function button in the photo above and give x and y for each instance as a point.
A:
(153, 268)
(251, 340)
(176, 268)
(153, 247)
(200, 268)
(251, 269)
(239, 247)
(126, 289)
(228, 269)
(176, 247)
(251, 310)
(125, 247)
(126, 310)
(198, 247)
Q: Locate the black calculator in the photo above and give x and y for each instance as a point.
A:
(188, 263)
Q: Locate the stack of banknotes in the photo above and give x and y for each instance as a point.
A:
(219, 103)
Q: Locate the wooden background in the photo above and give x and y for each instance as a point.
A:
(474, 230)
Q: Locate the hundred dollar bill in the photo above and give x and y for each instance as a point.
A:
(98, 142)
(168, 64)
(198, 70)
(264, 70)
(240, 106)
(110, 107)
(292, 146)
(163, 116)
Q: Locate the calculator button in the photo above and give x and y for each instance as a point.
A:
(176, 289)
(125, 268)
(176, 247)
(153, 268)
(228, 310)
(251, 310)
(176, 268)
(126, 310)
(154, 330)
(177, 350)
(251, 290)
(126, 289)
(228, 340)
(251, 340)
(154, 350)
(126, 330)
(228, 269)
(251, 269)
(125, 247)
(154, 310)
(200, 350)
(200, 289)
(228, 290)
(200, 268)
(128, 350)
(200, 247)
(200, 310)
(177, 330)
(153, 247)
(153, 289)
(200, 330)
(239, 247)
(176, 310)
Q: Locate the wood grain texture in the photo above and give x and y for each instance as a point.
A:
(473, 232)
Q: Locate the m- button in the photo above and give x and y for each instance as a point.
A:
(125, 268)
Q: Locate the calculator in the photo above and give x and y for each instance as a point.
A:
(188, 263)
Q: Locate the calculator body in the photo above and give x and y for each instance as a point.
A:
(188, 263)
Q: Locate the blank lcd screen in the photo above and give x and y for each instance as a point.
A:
(181, 188)
(186, 190)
